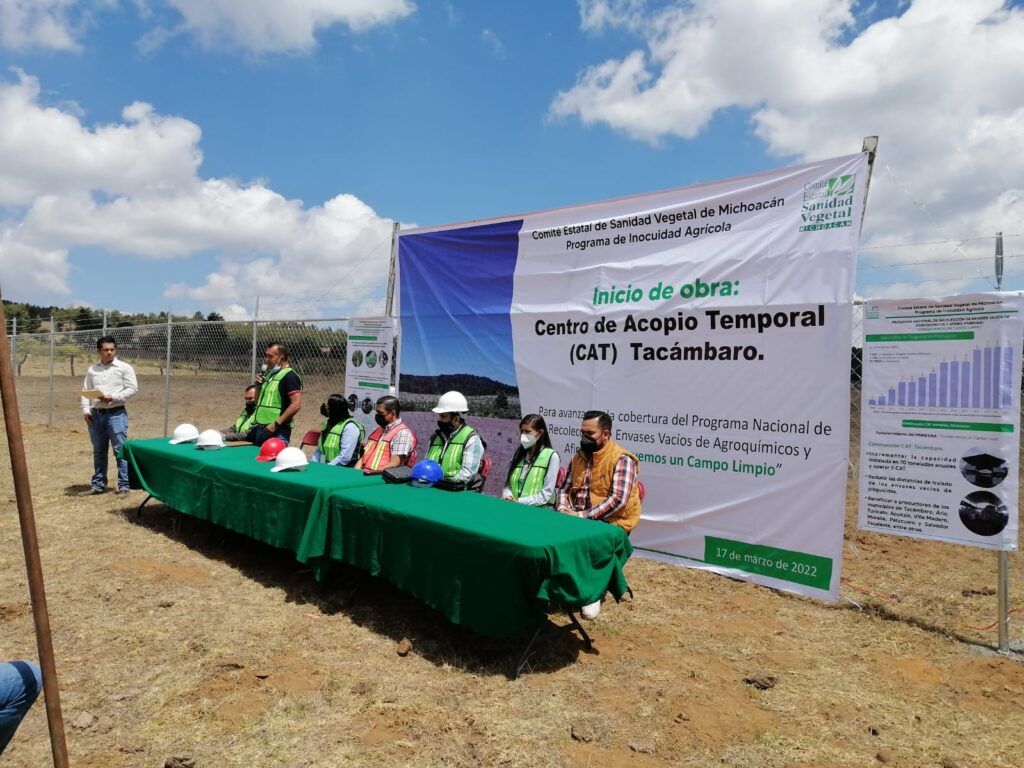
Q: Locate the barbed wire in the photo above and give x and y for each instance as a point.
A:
(924, 209)
(936, 261)
(937, 242)
(923, 282)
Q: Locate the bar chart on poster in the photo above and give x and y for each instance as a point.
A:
(978, 378)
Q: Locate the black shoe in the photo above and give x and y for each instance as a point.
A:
(122, 491)
(93, 492)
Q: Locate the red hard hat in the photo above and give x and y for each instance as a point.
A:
(270, 449)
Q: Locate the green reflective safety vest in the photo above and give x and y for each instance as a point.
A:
(533, 482)
(244, 422)
(330, 441)
(450, 456)
(268, 407)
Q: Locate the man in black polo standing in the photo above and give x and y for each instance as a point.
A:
(105, 415)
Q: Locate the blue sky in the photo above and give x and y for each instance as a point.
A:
(319, 127)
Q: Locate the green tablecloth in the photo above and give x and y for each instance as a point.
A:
(485, 563)
(231, 489)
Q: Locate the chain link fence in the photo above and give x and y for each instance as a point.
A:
(188, 371)
(197, 371)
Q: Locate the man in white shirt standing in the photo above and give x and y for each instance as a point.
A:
(105, 415)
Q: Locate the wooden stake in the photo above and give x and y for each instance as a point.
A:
(33, 566)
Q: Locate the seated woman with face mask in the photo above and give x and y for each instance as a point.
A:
(341, 437)
(534, 468)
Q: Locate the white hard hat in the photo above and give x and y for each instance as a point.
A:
(452, 402)
(290, 458)
(184, 433)
(210, 440)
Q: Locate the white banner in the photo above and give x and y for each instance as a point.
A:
(940, 418)
(369, 366)
(711, 322)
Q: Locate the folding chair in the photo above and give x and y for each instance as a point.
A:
(311, 438)
(484, 471)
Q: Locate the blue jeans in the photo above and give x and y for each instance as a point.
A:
(258, 435)
(108, 431)
(20, 684)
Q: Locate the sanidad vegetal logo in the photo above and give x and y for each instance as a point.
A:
(828, 204)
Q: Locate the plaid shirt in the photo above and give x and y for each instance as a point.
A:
(623, 479)
(404, 441)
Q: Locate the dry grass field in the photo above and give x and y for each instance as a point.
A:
(174, 639)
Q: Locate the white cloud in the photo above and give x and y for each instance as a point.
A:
(596, 15)
(493, 42)
(26, 269)
(258, 26)
(134, 188)
(269, 26)
(336, 256)
(38, 24)
(941, 85)
(47, 150)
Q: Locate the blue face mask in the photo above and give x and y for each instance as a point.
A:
(272, 371)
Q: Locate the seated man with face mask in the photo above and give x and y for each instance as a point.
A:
(456, 446)
(243, 423)
(392, 444)
(340, 437)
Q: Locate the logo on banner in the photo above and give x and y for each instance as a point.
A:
(828, 204)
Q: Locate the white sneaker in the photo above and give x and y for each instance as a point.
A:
(591, 611)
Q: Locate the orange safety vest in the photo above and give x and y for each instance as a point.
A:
(601, 483)
(377, 452)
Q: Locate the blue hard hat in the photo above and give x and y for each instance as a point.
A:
(425, 473)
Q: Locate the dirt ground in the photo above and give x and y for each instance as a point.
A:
(174, 639)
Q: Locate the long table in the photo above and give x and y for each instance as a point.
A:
(488, 564)
(231, 489)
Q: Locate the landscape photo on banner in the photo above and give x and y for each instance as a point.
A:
(713, 323)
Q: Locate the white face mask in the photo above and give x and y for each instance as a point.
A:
(528, 441)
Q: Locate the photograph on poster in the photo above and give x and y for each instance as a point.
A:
(983, 513)
(982, 469)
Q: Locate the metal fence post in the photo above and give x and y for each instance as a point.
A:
(1003, 599)
(252, 363)
(167, 376)
(49, 418)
